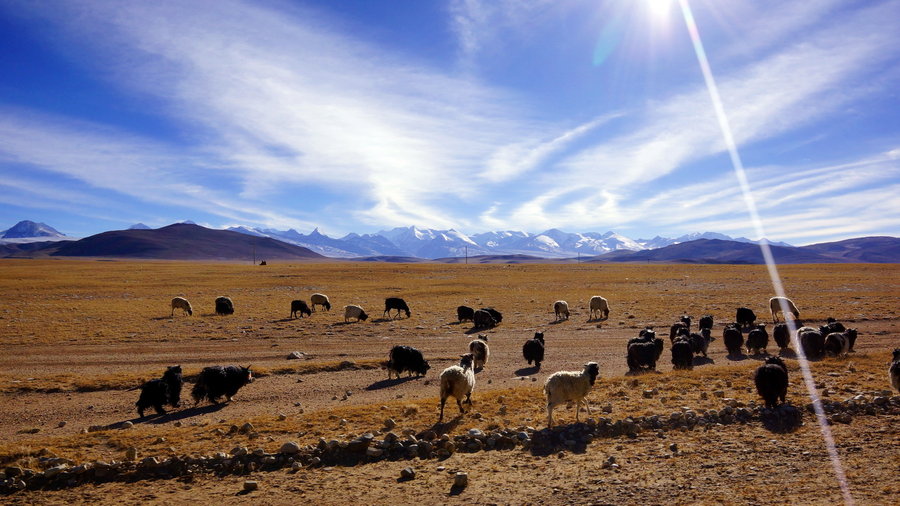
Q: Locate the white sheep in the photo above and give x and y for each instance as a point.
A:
(777, 303)
(561, 308)
(480, 351)
(458, 381)
(182, 304)
(599, 304)
(566, 386)
(319, 299)
(353, 311)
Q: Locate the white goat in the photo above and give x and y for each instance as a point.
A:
(480, 351)
(566, 386)
(319, 299)
(561, 308)
(599, 304)
(777, 303)
(352, 311)
(182, 304)
(458, 381)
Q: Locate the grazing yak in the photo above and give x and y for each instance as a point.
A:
(217, 381)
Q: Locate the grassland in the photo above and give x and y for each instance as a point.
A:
(76, 335)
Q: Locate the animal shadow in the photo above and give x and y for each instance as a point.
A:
(182, 414)
(386, 383)
(158, 318)
(737, 358)
(639, 372)
(527, 371)
(446, 427)
(702, 361)
(475, 330)
(784, 418)
(556, 322)
(787, 353)
(552, 440)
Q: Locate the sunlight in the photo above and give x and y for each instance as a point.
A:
(659, 9)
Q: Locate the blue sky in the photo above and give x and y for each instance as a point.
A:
(478, 115)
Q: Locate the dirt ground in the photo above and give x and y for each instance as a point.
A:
(77, 336)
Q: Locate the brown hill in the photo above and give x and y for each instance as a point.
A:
(183, 241)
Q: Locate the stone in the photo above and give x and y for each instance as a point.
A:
(250, 486)
(407, 473)
(131, 453)
(373, 452)
(461, 480)
(62, 424)
(296, 355)
(127, 425)
(390, 423)
(290, 448)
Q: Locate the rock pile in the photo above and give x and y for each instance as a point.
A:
(60, 473)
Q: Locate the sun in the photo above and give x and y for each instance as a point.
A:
(658, 8)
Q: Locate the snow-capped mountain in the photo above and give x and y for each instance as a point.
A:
(430, 243)
(29, 231)
(661, 242)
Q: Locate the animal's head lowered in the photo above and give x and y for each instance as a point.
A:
(593, 370)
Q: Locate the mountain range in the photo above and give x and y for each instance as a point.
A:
(187, 241)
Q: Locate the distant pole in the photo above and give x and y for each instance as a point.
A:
(467, 255)
(254, 254)
(579, 257)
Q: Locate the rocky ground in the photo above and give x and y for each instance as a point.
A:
(330, 427)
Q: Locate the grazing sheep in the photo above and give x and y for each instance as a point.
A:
(678, 329)
(320, 299)
(745, 316)
(392, 303)
(496, 315)
(533, 349)
(406, 358)
(782, 335)
(600, 305)
(216, 381)
(352, 311)
(771, 381)
(840, 343)
(561, 308)
(812, 342)
(159, 392)
(566, 386)
(757, 339)
(224, 306)
(733, 339)
(465, 313)
(699, 342)
(483, 319)
(894, 370)
(777, 303)
(682, 356)
(480, 351)
(182, 304)
(301, 307)
(458, 381)
(643, 352)
(706, 322)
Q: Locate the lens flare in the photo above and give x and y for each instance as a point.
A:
(741, 175)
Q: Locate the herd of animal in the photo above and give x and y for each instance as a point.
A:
(642, 354)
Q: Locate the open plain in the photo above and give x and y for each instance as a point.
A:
(77, 337)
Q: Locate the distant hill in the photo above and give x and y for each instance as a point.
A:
(878, 249)
(183, 242)
(716, 251)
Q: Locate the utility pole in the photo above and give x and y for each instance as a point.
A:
(467, 255)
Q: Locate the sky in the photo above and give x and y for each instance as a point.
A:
(477, 115)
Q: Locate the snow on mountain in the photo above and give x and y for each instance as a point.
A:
(431, 243)
(28, 231)
(661, 242)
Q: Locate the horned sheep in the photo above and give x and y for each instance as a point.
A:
(458, 381)
(573, 386)
(182, 304)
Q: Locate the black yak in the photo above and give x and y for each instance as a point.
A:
(159, 392)
(217, 381)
